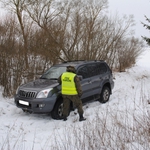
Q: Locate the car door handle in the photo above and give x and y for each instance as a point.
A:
(89, 81)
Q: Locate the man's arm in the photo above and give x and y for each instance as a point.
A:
(78, 85)
(59, 80)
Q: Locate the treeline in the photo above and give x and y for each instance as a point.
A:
(37, 34)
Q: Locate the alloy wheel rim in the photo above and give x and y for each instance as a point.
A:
(106, 95)
(60, 110)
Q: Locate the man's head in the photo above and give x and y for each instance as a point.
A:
(71, 69)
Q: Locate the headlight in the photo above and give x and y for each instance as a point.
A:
(43, 93)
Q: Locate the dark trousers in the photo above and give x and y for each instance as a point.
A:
(76, 101)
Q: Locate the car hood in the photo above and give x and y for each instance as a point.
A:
(39, 84)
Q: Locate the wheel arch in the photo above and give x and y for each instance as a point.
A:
(106, 83)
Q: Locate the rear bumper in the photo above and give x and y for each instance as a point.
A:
(112, 85)
(39, 105)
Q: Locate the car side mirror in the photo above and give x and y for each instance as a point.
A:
(80, 77)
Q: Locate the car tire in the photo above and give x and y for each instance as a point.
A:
(57, 112)
(105, 94)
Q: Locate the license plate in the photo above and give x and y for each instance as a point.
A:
(24, 103)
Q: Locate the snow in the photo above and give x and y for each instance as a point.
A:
(128, 108)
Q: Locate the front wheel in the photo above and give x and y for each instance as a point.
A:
(105, 94)
(57, 111)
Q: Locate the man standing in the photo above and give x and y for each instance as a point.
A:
(71, 91)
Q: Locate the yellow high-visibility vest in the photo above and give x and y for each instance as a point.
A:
(68, 84)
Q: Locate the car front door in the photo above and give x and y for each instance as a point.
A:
(95, 79)
(85, 82)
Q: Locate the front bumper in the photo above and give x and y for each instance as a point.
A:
(34, 105)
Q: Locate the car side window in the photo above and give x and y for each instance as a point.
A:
(93, 70)
(102, 68)
(83, 71)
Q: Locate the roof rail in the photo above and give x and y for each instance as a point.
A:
(72, 61)
(81, 60)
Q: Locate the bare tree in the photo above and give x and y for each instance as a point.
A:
(46, 17)
(76, 17)
(9, 61)
(126, 56)
(44, 32)
(18, 7)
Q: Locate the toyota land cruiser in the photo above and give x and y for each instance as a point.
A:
(43, 95)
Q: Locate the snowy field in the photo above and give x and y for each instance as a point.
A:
(114, 125)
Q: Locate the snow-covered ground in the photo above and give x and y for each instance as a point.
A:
(129, 102)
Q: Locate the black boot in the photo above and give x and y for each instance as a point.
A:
(65, 119)
(82, 118)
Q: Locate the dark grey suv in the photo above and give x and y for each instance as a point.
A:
(44, 94)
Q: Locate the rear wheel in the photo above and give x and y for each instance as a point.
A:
(105, 94)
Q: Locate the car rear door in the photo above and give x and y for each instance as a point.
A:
(101, 75)
(98, 75)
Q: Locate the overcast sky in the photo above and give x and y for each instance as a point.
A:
(139, 8)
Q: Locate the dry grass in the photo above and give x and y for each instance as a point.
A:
(117, 131)
(109, 130)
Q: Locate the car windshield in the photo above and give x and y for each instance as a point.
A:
(53, 73)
